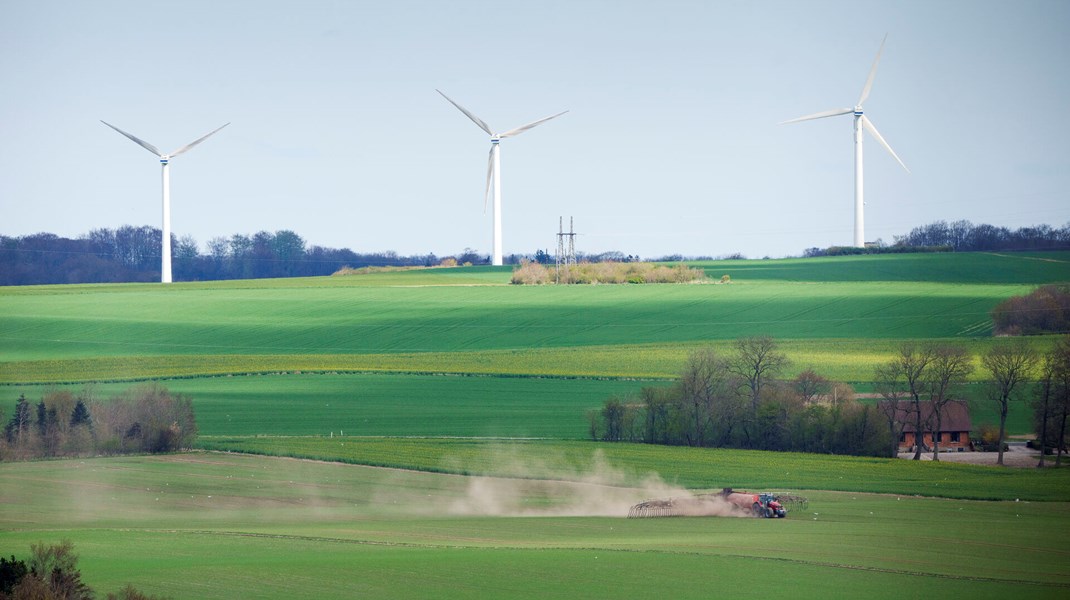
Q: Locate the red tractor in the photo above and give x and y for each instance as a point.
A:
(760, 505)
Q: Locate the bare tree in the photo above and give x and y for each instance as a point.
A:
(910, 368)
(810, 386)
(1053, 401)
(1042, 405)
(950, 367)
(886, 377)
(1010, 364)
(757, 361)
(705, 385)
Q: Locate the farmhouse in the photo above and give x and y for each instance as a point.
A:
(954, 426)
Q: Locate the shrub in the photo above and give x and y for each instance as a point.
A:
(609, 272)
(1044, 310)
(530, 273)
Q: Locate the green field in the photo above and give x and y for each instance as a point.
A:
(332, 368)
(390, 404)
(216, 526)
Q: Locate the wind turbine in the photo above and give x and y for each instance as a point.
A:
(861, 122)
(494, 170)
(165, 267)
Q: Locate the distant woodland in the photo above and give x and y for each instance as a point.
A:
(131, 254)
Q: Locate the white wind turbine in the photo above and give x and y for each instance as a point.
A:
(494, 170)
(165, 267)
(861, 122)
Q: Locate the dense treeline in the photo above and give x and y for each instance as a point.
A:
(1044, 310)
(130, 254)
(734, 400)
(961, 236)
(964, 236)
(147, 418)
(51, 573)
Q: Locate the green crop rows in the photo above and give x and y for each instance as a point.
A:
(220, 526)
(489, 384)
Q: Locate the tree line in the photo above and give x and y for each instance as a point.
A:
(132, 254)
(964, 236)
(147, 418)
(736, 400)
(961, 236)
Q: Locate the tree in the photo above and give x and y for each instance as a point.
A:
(1052, 403)
(886, 377)
(1042, 404)
(906, 374)
(950, 367)
(810, 386)
(18, 428)
(11, 573)
(704, 388)
(1009, 364)
(757, 361)
(80, 415)
(80, 432)
(56, 566)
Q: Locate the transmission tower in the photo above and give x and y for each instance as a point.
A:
(565, 258)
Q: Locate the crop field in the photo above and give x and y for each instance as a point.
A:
(377, 404)
(442, 413)
(469, 321)
(279, 528)
(392, 404)
(691, 468)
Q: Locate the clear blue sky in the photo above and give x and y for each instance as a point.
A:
(671, 144)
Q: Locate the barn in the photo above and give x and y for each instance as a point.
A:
(954, 426)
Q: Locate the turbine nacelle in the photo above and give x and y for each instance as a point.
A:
(862, 123)
(165, 263)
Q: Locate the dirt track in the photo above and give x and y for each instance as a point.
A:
(1017, 456)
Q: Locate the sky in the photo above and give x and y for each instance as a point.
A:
(672, 142)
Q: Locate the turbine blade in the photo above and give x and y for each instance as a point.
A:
(197, 141)
(821, 115)
(474, 118)
(523, 128)
(490, 176)
(868, 125)
(137, 141)
(872, 73)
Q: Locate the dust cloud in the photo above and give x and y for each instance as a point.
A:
(551, 486)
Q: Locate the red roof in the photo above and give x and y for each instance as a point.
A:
(955, 416)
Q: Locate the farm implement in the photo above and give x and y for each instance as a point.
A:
(727, 502)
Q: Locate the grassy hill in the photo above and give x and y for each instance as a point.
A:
(840, 316)
(448, 357)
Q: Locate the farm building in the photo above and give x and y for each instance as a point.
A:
(954, 426)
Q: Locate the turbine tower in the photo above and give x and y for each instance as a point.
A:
(494, 170)
(861, 122)
(165, 266)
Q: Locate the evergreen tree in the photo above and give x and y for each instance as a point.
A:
(81, 415)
